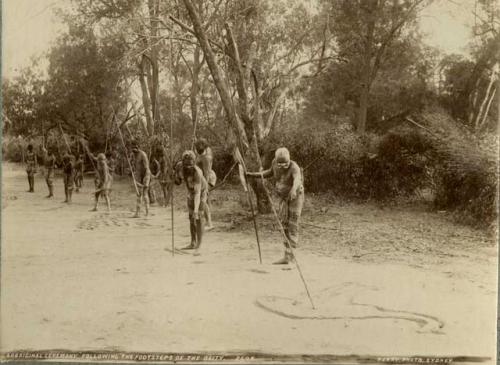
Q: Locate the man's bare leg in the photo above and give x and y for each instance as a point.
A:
(146, 200)
(166, 194)
(138, 206)
(199, 225)
(30, 182)
(65, 194)
(96, 201)
(192, 229)
(108, 202)
(208, 216)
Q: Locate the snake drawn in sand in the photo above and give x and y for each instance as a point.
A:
(343, 306)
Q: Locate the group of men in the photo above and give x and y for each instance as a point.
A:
(194, 168)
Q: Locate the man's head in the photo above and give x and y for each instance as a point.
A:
(282, 156)
(188, 159)
(101, 157)
(134, 146)
(201, 144)
(80, 156)
(30, 147)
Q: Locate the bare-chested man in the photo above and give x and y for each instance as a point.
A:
(79, 166)
(49, 160)
(31, 167)
(142, 174)
(164, 174)
(103, 178)
(204, 161)
(197, 188)
(290, 190)
(111, 161)
(68, 166)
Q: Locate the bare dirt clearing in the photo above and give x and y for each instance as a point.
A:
(79, 280)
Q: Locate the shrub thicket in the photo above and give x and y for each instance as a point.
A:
(467, 171)
(434, 153)
(353, 166)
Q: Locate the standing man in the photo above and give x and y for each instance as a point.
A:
(142, 178)
(290, 190)
(111, 162)
(31, 167)
(197, 188)
(103, 178)
(79, 166)
(204, 161)
(164, 174)
(49, 160)
(68, 166)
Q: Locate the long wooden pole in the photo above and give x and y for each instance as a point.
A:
(172, 153)
(287, 240)
(126, 155)
(242, 169)
(64, 138)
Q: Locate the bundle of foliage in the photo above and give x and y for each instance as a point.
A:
(402, 165)
(467, 172)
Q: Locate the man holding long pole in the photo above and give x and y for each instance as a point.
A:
(290, 190)
(197, 188)
(142, 178)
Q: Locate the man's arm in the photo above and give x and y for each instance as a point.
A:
(265, 173)
(157, 168)
(297, 181)
(178, 175)
(145, 161)
(197, 195)
(206, 165)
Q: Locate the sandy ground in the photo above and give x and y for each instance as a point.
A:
(393, 281)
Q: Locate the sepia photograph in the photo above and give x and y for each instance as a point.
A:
(250, 181)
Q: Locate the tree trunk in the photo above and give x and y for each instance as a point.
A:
(146, 102)
(366, 73)
(195, 88)
(363, 109)
(154, 8)
(246, 141)
(493, 75)
(498, 105)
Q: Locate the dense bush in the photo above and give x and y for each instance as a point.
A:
(467, 172)
(436, 153)
(353, 166)
(13, 149)
(471, 195)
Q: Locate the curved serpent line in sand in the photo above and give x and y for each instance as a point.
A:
(382, 309)
(421, 322)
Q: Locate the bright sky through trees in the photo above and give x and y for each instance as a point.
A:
(29, 27)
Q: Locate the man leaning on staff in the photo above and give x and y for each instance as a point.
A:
(290, 190)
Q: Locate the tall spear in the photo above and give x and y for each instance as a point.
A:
(242, 169)
(171, 154)
(64, 137)
(282, 230)
(126, 154)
